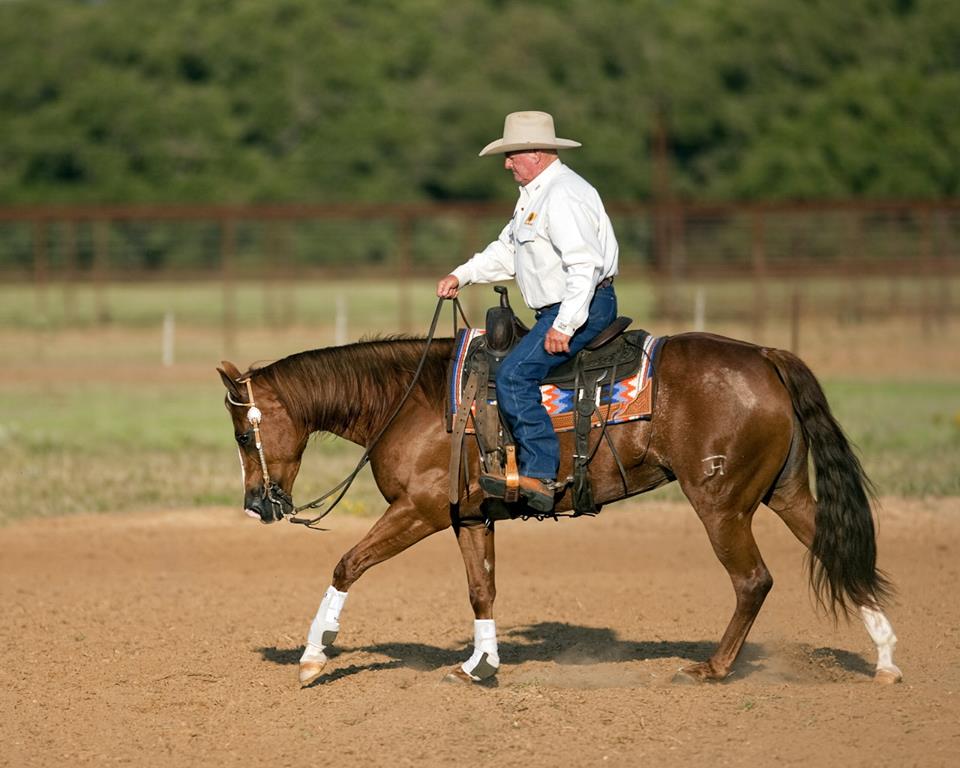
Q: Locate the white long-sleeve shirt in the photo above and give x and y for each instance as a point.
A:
(559, 245)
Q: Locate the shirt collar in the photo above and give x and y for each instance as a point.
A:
(535, 187)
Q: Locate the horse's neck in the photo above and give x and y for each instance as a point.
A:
(360, 386)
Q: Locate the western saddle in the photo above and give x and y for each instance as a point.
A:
(610, 353)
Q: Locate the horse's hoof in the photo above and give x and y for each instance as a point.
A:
(310, 671)
(696, 674)
(888, 676)
(683, 677)
(457, 675)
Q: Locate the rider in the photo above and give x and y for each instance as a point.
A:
(561, 248)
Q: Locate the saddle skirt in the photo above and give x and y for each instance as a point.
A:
(630, 359)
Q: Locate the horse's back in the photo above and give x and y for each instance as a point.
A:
(718, 396)
(694, 364)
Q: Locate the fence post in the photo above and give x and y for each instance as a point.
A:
(945, 302)
(168, 337)
(470, 297)
(937, 258)
(275, 275)
(269, 273)
(227, 249)
(699, 309)
(40, 267)
(927, 271)
(340, 321)
(405, 224)
(101, 245)
(795, 321)
(69, 270)
(759, 259)
(288, 299)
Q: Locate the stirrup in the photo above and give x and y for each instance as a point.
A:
(535, 493)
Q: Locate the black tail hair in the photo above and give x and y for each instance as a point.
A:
(843, 557)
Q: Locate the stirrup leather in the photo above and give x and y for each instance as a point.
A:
(512, 491)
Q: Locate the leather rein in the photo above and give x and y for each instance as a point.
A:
(276, 495)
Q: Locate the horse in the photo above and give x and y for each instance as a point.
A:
(733, 423)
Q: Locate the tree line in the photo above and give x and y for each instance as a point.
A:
(390, 100)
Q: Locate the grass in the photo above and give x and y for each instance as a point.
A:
(380, 303)
(100, 447)
(90, 421)
(91, 448)
(908, 433)
(372, 304)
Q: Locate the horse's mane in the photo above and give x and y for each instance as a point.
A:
(357, 385)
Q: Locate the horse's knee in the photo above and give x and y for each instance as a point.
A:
(348, 570)
(752, 589)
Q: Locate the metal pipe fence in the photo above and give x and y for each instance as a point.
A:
(758, 259)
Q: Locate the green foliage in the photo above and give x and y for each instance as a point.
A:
(374, 100)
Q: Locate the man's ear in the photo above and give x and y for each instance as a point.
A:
(229, 375)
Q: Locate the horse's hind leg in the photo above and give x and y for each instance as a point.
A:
(398, 528)
(795, 505)
(733, 543)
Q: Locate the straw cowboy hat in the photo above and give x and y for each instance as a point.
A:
(527, 130)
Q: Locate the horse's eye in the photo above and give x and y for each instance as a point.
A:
(243, 438)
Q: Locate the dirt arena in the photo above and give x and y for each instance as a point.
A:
(172, 639)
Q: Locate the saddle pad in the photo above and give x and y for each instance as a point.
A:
(629, 399)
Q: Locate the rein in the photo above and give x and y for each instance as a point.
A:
(273, 490)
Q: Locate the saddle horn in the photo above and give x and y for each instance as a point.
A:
(504, 329)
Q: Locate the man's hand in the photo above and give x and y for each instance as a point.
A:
(555, 342)
(448, 287)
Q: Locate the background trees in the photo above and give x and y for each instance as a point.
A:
(313, 100)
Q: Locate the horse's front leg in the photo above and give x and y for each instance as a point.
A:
(476, 546)
(398, 528)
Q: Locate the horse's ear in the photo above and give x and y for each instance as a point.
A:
(229, 375)
(230, 369)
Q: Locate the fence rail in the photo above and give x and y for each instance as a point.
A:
(857, 259)
(679, 240)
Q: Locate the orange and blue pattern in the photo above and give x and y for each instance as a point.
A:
(629, 399)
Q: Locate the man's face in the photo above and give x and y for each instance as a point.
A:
(526, 165)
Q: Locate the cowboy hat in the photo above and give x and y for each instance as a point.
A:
(527, 130)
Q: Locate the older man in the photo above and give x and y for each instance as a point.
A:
(560, 247)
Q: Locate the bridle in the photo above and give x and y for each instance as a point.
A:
(277, 497)
(280, 499)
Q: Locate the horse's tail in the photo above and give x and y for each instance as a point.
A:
(843, 557)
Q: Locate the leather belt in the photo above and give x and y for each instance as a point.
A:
(605, 283)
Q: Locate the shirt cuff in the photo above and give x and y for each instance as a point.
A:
(462, 273)
(564, 328)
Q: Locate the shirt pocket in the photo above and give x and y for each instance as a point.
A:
(529, 225)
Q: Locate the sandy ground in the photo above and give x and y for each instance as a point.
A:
(172, 639)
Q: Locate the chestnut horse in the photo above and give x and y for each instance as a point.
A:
(733, 423)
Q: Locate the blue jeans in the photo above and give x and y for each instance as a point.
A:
(525, 368)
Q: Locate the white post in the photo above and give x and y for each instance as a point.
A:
(169, 333)
(699, 309)
(340, 327)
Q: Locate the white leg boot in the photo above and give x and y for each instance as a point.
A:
(485, 660)
(323, 632)
(881, 632)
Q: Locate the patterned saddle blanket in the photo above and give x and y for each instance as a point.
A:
(628, 362)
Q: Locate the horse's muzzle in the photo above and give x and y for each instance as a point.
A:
(269, 508)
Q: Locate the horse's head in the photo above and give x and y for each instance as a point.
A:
(269, 442)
